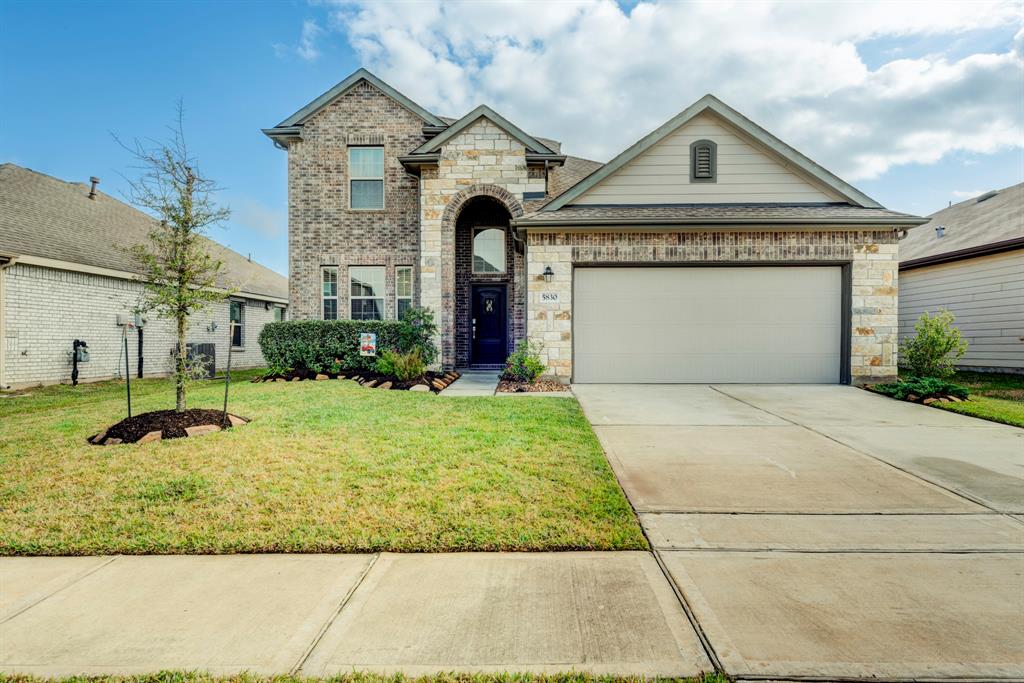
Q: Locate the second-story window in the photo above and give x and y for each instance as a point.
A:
(366, 177)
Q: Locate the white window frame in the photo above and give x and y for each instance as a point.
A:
(380, 296)
(241, 323)
(324, 297)
(352, 177)
(504, 250)
(403, 297)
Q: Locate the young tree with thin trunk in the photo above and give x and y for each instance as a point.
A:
(178, 272)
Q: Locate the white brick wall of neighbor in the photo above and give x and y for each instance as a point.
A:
(47, 309)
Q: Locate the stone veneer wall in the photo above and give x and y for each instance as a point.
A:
(873, 255)
(482, 160)
(322, 230)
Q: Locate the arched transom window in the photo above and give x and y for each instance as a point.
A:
(489, 250)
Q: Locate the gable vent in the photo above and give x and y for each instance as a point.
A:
(703, 161)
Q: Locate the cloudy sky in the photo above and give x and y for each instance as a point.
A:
(918, 104)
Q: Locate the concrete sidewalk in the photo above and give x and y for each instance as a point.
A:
(605, 613)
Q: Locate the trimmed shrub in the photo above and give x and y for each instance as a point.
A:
(524, 364)
(418, 333)
(935, 349)
(315, 345)
(922, 387)
(404, 367)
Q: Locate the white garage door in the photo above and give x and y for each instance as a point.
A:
(777, 324)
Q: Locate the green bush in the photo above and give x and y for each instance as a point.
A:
(922, 387)
(316, 345)
(935, 349)
(524, 364)
(404, 367)
(418, 333)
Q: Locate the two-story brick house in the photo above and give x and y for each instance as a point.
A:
(709, 251)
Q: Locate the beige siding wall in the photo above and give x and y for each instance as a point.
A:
(986, 294)
(746, 173)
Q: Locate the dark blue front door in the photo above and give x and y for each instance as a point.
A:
(489, 325)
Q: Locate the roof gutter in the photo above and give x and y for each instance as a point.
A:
(961, 254)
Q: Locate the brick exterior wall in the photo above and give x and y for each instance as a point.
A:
(481, 161)
(46, 309)
(322, 230)
(873, 255)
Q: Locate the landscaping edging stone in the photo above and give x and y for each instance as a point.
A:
(158, 425)
(435, 382)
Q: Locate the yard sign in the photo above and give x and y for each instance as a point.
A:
(367, 344)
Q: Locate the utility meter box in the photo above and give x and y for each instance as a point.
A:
(82, 354)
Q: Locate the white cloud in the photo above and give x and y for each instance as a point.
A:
(966, 194)
(598, 78)
(251, 214)
(307, 48)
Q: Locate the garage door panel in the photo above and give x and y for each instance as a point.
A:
(734, 324)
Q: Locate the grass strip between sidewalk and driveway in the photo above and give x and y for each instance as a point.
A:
(323, 467)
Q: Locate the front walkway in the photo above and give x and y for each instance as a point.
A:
(825, 531)
(320, 615)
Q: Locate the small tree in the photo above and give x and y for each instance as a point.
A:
(178, 272)
(935, 349)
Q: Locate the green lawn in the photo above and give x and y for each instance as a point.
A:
(323, 467)
(994, 396)
(193, 677)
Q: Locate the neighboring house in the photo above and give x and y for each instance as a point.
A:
(709, 251)
(969, 259)
(65, 274)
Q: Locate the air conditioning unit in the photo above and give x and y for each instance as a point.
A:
(208, 353)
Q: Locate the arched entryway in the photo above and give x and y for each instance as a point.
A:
(487, 293)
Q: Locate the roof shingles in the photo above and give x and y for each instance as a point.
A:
(46, 217)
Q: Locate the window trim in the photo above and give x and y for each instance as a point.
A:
(283, 313)
(241, 323)
(504, 250)
(412, 289)
(713, 178)
(353, 177)
(323, 297)
(382, 296)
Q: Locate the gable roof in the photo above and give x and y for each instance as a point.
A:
(299, 117)
(48, 218)
(733, 117)
(971, 227)
(483, 111)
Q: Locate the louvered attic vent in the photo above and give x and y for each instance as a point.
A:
(703, 164)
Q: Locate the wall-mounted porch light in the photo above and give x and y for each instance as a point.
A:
(548, 273)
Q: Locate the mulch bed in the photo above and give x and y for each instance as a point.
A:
(171, 425)
(432, 381)
(511, 387)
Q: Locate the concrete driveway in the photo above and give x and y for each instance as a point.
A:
(826, 531)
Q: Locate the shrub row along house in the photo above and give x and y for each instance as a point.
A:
(969, 260)
(709, 251)
(66, 275)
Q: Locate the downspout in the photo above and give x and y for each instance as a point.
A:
(5, 263)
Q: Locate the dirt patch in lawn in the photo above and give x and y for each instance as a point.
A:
(169, 423)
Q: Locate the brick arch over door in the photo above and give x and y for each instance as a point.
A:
(449, 297)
